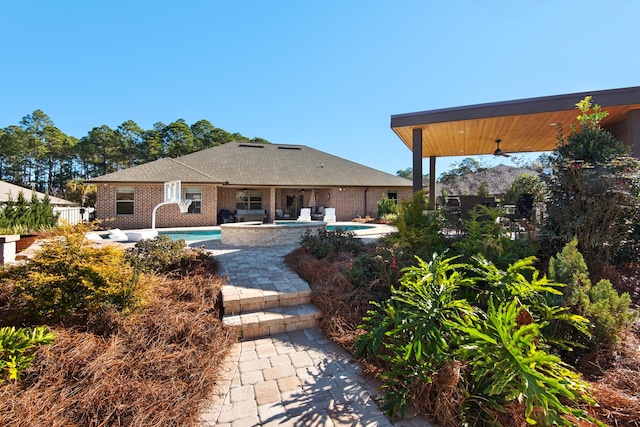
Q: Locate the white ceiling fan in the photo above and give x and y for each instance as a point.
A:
(498, 151)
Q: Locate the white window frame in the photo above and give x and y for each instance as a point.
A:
(195, 195)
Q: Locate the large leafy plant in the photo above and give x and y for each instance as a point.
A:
(507, 364)
(445, 311)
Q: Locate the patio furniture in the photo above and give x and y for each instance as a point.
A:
(318, 214)
(305, 214)
(282, 215)
(250, 215)
(521, 216)
(115, 235)
(330, 215)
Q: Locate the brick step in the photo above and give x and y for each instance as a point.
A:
(274, 321)
(238, 299)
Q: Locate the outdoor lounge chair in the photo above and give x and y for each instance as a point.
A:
(115, 235)
(305, 214)
(329, 214)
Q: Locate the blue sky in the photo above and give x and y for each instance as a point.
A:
(324, 74)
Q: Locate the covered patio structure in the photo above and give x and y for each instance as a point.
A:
(521, 126)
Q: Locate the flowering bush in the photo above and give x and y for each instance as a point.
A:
(330, 243)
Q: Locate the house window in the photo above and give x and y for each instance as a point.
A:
(392, 195)
(124, 200)
(195, 195)
(249, 199)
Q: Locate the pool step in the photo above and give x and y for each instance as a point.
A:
(274, 321)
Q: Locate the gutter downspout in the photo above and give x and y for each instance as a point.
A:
(365, 201)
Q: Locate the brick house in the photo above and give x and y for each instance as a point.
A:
(275, 178)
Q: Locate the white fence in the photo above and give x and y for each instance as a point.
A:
(72, 215)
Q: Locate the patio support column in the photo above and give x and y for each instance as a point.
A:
(417, 160)
(272, 204)
(432, 183)
(633, 132)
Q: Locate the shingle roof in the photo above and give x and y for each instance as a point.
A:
(8, 190)
(497, 179)
(259, 164)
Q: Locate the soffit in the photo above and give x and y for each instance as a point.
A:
(528, 125)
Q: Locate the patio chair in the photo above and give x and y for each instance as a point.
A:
(329, 214)
(305, 214)
(521, 218)
(318, 214)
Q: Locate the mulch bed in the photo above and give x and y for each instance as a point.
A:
(156, 368)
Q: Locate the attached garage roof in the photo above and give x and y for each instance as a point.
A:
(253, 164)
(526, 125)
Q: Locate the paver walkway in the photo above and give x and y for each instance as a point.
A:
(291, 379)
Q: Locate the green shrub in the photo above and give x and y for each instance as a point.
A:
(486, 236)
(419, 230)
(330, 243)
(18, 349)
(68, 279)
(379, 268)
(593, 194)
(527, 184)
(22, 217)
(158, 255)
(606, 309)
(609, 313)
(386, 207)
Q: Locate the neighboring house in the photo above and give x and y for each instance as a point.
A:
(275, 178)
(497, 181)
(11, 191)
(63, 208)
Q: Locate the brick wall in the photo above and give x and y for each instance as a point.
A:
(146, 198)
(349, 203)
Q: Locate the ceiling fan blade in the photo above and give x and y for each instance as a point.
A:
(498, 151)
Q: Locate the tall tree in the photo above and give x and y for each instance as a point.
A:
(131, 137)
(204, 134)
(152, 148)
(14, 159)
(99, 151)
(463, 167)
(34, 125)
(178, 138)
(408, 174)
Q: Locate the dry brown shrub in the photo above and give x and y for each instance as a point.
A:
(157, 368)
(342, 304)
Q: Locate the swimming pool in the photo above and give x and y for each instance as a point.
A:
(350, 227)
(198, 235)
(189, 235)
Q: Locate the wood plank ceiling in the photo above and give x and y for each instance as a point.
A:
(528, 125)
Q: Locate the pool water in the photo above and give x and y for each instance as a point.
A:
(193, 234)
(350, 227)
(190, 235)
